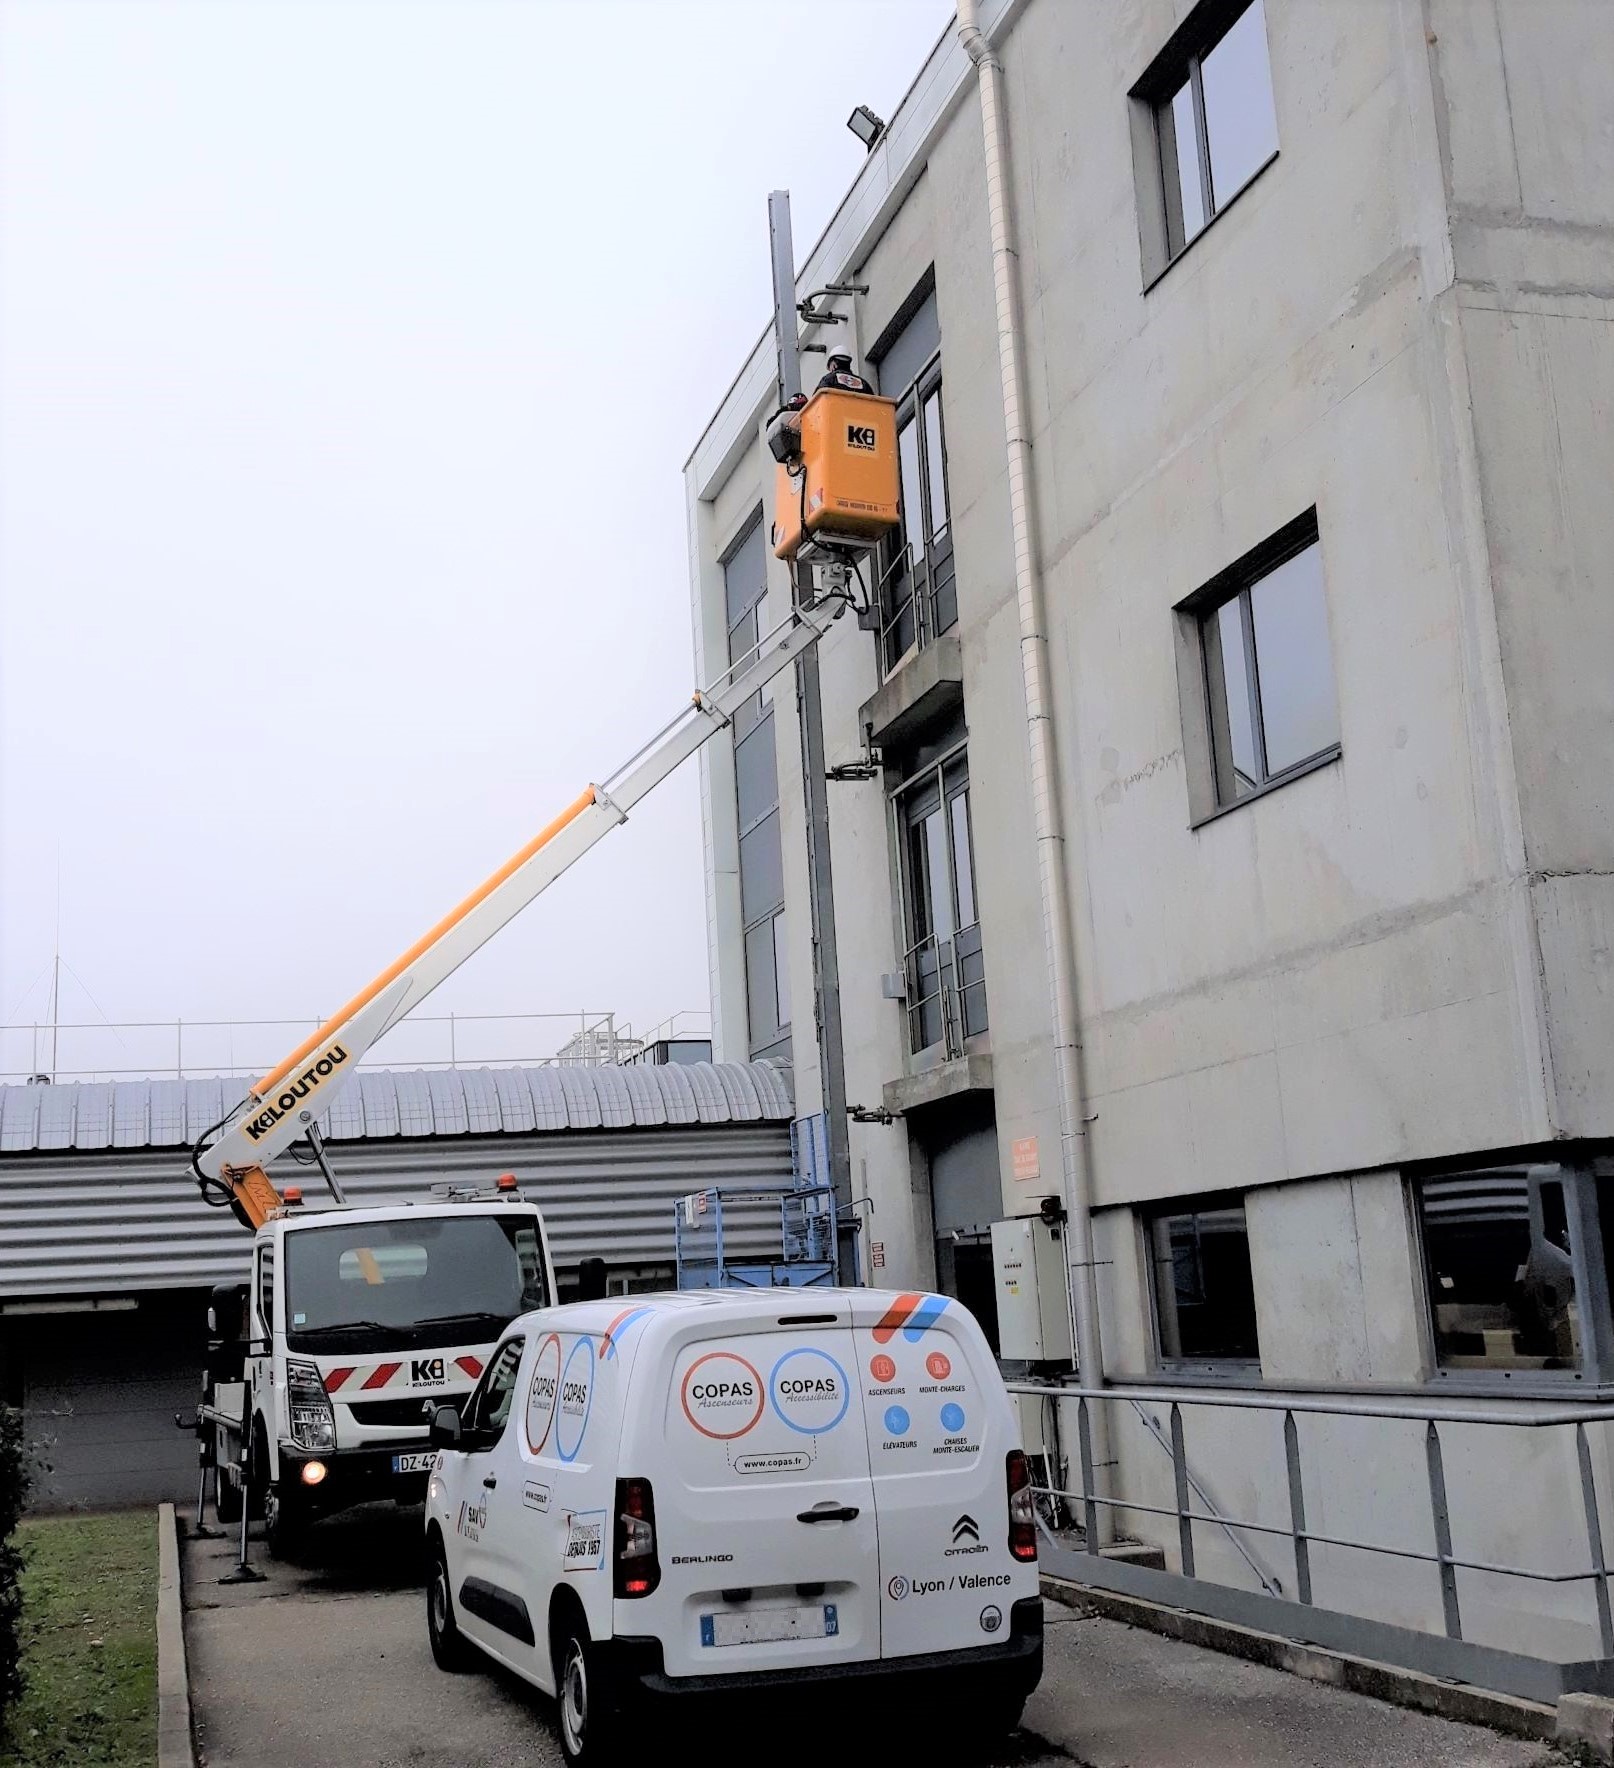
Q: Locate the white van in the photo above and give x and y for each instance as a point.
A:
(729, 1490)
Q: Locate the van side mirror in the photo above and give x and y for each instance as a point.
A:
(445, 1432)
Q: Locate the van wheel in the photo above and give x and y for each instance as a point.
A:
(991, 1718)
(585, 1698)
(449, 1650)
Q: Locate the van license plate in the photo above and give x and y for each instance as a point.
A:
(763, 1626)
(422, 1463)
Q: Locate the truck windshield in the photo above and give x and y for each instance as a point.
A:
(410, 1284)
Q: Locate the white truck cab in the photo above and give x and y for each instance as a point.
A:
(731, 1490)
(359, 1324)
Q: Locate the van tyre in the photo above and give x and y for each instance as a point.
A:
(589, 1713)
(992, 1716)
(449, 1649)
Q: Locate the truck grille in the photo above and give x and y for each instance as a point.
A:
(416, 1411)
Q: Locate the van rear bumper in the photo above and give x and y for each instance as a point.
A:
(1011, 1666)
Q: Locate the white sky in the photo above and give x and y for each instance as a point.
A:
(350, 351)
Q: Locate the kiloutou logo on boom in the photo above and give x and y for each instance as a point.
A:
(295, 1091)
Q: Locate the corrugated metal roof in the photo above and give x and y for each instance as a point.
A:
(114, 1221)
(412, 1104)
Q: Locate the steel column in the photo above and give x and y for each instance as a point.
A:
(1442, 1519)
(1594, 1540)
(1179, 1469)
(815, 783)
(1297, 1508)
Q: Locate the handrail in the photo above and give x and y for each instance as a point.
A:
(1344, 1406)
(1432, 1414)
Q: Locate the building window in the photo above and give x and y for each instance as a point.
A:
(918, 593)
(1260, 633)
(945, 974)
(756, 792)
(1210, 122)
(1204, 1297)
(1501, 1250)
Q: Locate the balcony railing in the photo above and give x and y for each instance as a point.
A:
(917, 600)
(946, 991)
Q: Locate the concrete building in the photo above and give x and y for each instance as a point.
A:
(1313, 303)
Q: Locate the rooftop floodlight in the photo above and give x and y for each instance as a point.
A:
(866, 126)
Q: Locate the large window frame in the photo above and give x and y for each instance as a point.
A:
(1586, 1214)
(917, 593)
(1221, 669)
(1170, 1360)
(944, 968)
(763, 930)
(1172, 118)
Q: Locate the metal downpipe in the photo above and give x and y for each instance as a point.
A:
(1075, 1174)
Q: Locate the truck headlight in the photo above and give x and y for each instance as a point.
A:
(313, 1421)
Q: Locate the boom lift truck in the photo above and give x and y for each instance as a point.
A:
(324, 1370)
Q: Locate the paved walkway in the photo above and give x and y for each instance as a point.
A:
(328, 1661)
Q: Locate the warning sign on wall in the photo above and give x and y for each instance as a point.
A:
(1027, 1163)
(877, 1254)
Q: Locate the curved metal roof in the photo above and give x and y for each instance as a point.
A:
(407, 1103)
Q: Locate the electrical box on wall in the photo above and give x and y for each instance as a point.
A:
(1028, 1268)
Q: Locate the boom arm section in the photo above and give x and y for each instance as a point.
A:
(230, 1161)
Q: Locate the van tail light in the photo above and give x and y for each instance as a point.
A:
(1022, 1512)
(636, 1571)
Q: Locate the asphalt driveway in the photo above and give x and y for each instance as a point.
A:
(327, 1661)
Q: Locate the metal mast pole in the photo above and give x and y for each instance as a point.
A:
(820, 875)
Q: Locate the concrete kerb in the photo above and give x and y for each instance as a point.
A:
(174, 1747)
(1386, 1682)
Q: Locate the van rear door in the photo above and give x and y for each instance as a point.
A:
(766, 1526)
(939, 1431)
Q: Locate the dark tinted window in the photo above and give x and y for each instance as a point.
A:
(1500, 1269)
(1204, 1293)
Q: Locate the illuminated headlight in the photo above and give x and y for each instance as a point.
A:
(313, 1423)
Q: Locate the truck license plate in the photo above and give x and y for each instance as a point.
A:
(762, 1626)
(421, 1463)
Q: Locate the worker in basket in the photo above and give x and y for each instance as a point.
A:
(838, 372)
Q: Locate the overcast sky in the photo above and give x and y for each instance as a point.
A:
(349, 356)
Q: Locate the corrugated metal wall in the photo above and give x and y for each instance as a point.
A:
(110, 1222)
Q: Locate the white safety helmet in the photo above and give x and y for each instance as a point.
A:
(840, 353)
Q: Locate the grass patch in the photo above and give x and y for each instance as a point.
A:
(89, 1643)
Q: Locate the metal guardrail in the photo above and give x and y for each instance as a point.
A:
(594, 1037)
(1447, 1654)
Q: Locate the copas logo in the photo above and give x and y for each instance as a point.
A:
(809, 1390)
(542, 1395)
(576, 1396)
(722, 1395)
